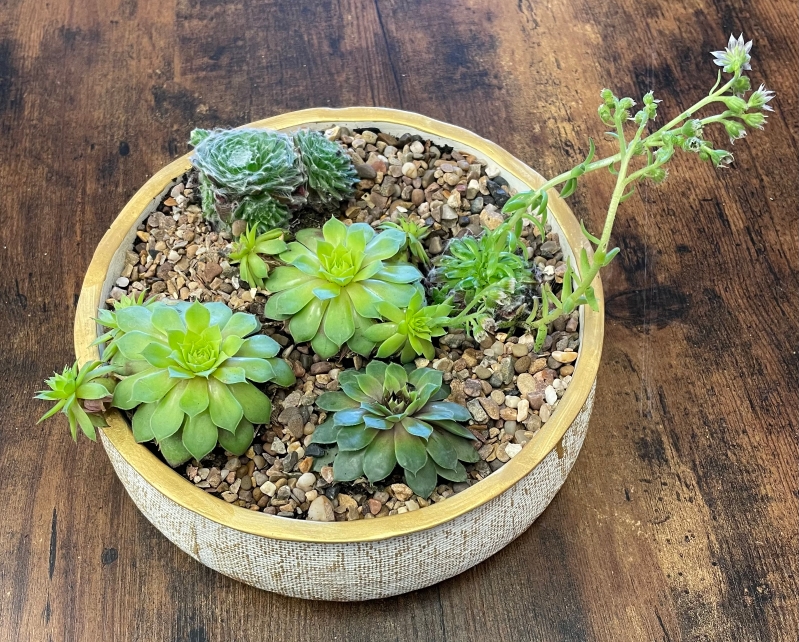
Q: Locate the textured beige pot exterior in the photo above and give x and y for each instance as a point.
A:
(364, 559)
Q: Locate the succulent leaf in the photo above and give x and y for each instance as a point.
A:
(385, 416)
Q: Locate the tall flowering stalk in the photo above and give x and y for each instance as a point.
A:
(737, 114)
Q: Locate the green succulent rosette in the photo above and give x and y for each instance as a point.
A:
(192, 370)
(409, 332)
(335, 278)
(414, 234)
(249, 161)
(330, 173)
(74, 386)
(386, 416)
(488, 268)
(246, 251)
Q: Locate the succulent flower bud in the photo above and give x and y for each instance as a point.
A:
(735, 130)
(754, 119)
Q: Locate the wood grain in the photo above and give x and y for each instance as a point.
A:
(679, 521)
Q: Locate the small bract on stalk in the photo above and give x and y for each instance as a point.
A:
(335, 278)
(74, 389)
(193, 366)
(252, 268)
(386, 416)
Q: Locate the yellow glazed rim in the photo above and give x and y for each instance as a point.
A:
(178, 489)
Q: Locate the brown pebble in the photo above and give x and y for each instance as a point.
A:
(536, 399)
(366, 171)
(374, 506)
(239, 227)
(305, 464)
(538, 365)
(519, 350)
(522, 364)
(491, 408)
(321, 367)
(211, 271)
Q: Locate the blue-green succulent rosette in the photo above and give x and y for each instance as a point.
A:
(385, 416)
(335, 278)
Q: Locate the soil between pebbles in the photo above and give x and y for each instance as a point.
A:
(508, 387)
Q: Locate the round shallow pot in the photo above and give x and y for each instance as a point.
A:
(362, 559)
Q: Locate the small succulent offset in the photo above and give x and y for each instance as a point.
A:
(414, 234)
(249, 174)
(335, 279)
(108, 319)
(246, 251)
(329, 172)
(487, 272)
(72, 389)
(386, 416)
(409, 332)
(193, 366)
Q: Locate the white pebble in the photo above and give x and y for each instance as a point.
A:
(512, 450)
(409, 170)
(306, 481)
(512, 401)
(278, 446)
(268, 488)
(321, 510)
(550, 395)
(523, 410)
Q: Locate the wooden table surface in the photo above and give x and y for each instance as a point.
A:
(679, 520)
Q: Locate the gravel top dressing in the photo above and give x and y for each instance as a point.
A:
(508, 387)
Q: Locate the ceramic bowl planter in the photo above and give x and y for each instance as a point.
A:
(361, 559)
